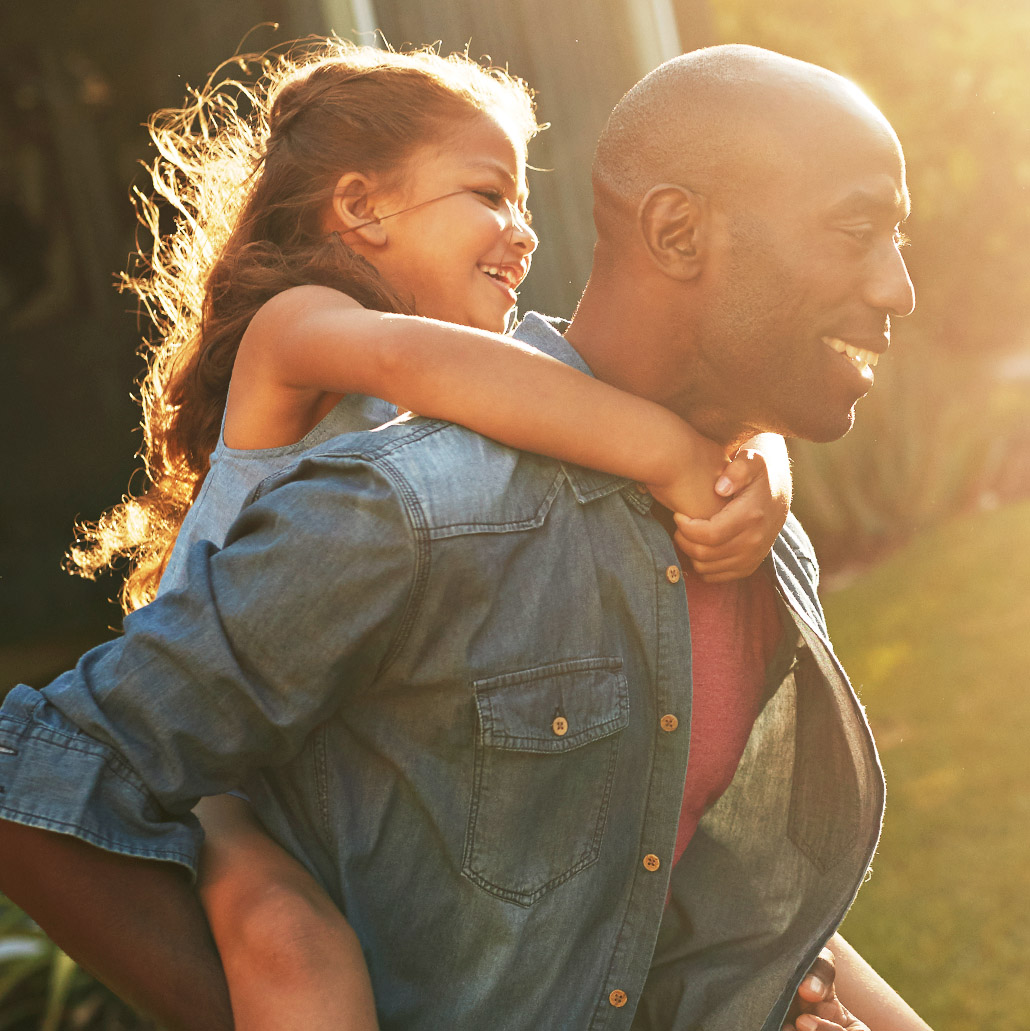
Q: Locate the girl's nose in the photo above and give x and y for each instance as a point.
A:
(522, 235)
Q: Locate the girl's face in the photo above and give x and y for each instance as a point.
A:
(457, 238)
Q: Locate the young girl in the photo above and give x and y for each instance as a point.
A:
(360, 233)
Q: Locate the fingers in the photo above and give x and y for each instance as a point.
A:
(818, 982)
(810, 1022)
(726, 547)
(704, 536)
(732, 567)
(747, 466)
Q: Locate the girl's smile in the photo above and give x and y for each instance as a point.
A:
(455, 235)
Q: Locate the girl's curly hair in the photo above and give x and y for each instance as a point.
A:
(248, 167)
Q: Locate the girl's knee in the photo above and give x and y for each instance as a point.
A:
(286, 932)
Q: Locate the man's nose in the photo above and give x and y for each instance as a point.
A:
(889, 287)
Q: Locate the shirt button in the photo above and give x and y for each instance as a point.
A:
(560, 725)
(651, 862)
(618, 998)
(672, 574)
(668, 722)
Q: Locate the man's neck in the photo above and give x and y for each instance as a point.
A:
(623, 350)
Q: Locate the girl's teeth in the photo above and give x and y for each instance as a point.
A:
(499, 273)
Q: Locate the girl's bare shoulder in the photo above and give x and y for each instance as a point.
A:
(296, 304)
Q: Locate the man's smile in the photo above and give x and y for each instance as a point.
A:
(861, 358)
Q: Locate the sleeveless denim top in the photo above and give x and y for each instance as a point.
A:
(235, 473)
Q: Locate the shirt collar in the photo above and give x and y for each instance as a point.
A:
(545, 334)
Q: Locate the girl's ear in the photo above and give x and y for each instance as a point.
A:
(353, 214)
(673, 221)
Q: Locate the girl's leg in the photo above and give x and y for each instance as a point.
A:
(292, 961)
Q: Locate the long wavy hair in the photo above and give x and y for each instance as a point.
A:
(247, 167)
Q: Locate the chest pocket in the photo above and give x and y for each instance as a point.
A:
(546, 750)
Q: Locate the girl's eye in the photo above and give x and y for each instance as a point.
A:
(494, 197)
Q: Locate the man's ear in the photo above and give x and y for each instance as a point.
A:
(673, 221)
(352, 212)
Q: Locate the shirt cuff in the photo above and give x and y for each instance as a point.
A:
(55, 777)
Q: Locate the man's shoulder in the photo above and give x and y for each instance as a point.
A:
(453, 479)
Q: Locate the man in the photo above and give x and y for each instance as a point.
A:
(471, 717)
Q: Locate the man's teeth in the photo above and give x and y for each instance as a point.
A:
(859, 356)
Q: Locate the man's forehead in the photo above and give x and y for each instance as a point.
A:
(843, 161)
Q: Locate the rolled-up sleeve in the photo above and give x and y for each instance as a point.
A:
(306, 603)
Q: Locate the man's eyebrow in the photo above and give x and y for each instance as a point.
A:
(870, 202)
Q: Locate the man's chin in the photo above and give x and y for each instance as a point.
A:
(827, 428)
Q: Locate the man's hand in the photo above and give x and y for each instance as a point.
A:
(733, 543)
(816, 1006)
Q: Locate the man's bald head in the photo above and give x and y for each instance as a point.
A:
(717, 120)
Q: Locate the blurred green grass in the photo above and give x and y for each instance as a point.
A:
(937, 642)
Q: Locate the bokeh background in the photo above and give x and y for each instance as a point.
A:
(921, 515)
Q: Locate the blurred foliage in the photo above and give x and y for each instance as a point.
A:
(41, 989)
(940, 430)
(931, 439)
(936, 642)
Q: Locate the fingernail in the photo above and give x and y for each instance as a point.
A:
(815, 984)
(806, 1022)
(723, 485)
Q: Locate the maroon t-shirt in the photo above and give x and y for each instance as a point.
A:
(734, 632)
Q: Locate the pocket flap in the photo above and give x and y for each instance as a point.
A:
(553, 708)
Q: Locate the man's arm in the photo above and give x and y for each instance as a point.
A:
(229, 675)
(135, 924)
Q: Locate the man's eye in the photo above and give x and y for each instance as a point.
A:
(865, 233)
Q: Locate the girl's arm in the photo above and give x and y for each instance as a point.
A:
(310, 343)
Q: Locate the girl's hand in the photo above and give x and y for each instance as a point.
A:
(692, 470)
(732, 543)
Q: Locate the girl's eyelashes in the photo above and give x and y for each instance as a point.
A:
(497, 198)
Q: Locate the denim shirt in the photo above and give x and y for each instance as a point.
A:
(439, 667)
